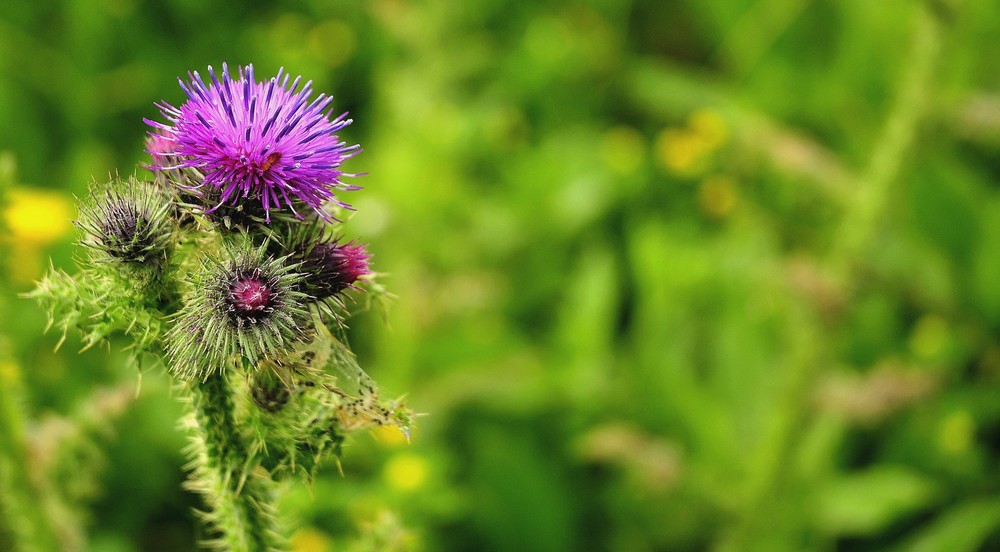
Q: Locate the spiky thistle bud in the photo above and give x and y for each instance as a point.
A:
(245, 307)
(334, 267)
(331, 266)
(128, 226)
(269, 392)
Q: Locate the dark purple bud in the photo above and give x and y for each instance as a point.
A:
(331, 268)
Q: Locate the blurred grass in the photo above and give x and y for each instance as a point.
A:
(713, 275)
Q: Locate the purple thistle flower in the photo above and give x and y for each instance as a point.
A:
(260, 140)
(161, 148)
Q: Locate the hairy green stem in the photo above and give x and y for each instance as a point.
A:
(24, 517)
(895, 140)
(239, 497)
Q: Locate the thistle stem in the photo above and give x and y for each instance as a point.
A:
(898, 135)
(28, 526)
(240, 501)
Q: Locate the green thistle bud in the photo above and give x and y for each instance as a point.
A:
(268, 391)
(245, 307)
(128, 224)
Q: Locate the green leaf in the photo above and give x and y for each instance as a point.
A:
(961, 529)
(865, 503)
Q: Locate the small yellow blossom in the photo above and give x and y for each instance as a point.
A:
(406, 472)
(310, 539)
(37, 217)
(710, 127)
(680, 151)
(687, 150)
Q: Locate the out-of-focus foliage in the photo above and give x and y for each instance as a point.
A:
(672, 275)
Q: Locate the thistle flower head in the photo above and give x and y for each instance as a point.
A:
(127, 222)
(247, 306)
(333, 267)
(262, 141)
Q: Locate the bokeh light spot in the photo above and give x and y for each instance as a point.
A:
(406, 472)
(310, 539)
(38, 217)
(332, 42)
(930, 337)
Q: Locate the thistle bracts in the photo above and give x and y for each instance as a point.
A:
(129, 227)
(126, 222)
(302, 409)
(240, 309)
(125, 282)
(227, 267)
(334, 267)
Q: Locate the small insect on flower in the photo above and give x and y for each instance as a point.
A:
(127, 222)
(264, 141)
(247, 306)
(269, 161)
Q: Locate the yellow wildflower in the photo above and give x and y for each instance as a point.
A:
(310, 539)
(38, 217)
(680, 151)
(710, 128)
(389, 436)
(406, 472)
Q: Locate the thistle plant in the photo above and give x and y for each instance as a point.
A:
(227, 267)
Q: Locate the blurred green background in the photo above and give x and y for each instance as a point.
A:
(672, 274)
